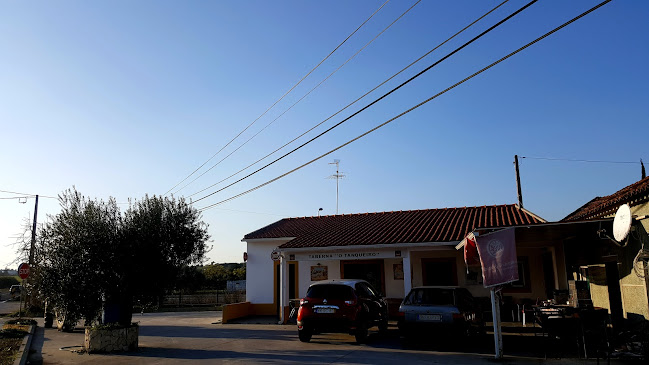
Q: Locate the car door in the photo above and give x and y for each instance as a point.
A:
(370, 298)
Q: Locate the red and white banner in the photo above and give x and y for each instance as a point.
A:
(471, 251)
(498, 257)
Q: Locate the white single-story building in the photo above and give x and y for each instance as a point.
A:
(394, 251)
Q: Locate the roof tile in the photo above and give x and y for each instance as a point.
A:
(413, 226)
(601, 207)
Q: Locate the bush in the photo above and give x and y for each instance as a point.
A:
(7, 281)
(12, 333)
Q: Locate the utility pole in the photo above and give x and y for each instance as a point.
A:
(33, 243)
(518, 182)
(336, 176)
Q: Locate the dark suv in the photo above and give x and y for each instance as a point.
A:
(347, 306)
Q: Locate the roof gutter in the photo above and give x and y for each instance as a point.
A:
(411, 246)
(274, 239)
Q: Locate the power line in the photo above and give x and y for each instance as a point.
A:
(27, 195)
(380, 98)
(578, 160)
(414, 107)
(280, 99)
(355, 101)
(302, 98)
(250, 212)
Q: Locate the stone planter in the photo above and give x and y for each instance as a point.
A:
(112, 339)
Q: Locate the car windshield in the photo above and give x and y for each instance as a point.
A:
(431, 296)
(333, 291)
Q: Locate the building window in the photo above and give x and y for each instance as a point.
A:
(523, 284)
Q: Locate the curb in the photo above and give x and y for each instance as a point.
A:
(24, 347)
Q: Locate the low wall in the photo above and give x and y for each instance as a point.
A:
(245, 309)
(111, 340)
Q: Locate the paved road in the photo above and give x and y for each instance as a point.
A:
(198, 337)
(7, 307)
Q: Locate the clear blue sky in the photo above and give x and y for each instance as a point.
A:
(123, 99)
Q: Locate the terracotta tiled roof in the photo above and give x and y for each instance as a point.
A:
(601, 207)
(413, 226)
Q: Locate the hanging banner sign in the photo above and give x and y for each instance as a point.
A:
(498, 257)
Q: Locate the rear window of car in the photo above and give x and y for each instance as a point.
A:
(330, 292)
(431, 296)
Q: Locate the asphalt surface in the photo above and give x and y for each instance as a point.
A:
(8, 306)
(199, 337)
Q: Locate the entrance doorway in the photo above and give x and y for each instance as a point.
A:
(439, 271)
(292, 282)
(369, 270)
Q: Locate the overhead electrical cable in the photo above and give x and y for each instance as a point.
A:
(414, 107)
(379, 99)
(27, 195)
(577, 160)
(353, 102)
(302, 98)
(280, 99)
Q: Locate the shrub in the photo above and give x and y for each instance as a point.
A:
(12, 333)
(7, 281)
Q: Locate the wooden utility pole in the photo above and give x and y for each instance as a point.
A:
(518, 182)
(33, 243)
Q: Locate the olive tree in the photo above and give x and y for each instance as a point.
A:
(93, 257)
(160, 236)
(76, 250)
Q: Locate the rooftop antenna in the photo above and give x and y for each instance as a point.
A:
(336, 176)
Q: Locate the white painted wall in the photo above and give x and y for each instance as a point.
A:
(393, 288)
(259, 271)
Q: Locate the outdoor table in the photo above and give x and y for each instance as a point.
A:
(558, 323)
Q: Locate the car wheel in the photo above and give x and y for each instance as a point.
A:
(383, 326)
(361, 334)
(305, 334)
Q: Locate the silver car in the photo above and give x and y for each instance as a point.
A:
(439, 310)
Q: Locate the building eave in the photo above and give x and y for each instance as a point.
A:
(423, 245)
(274, 239)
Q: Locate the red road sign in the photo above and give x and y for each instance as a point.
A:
(23, 270)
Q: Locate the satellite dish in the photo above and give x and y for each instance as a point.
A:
(622, 223)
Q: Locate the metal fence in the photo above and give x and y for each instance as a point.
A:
(215, 298)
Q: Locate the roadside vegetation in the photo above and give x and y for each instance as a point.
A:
(92, 257)
(11, 337)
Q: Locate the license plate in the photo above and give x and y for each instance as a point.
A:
(430, 317)
(325, 310)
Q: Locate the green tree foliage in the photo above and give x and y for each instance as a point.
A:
(217, 275)
(239, 273)
(160, 237)
(90, 251)
(78, 248)
(189, 280)
(8, 281)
